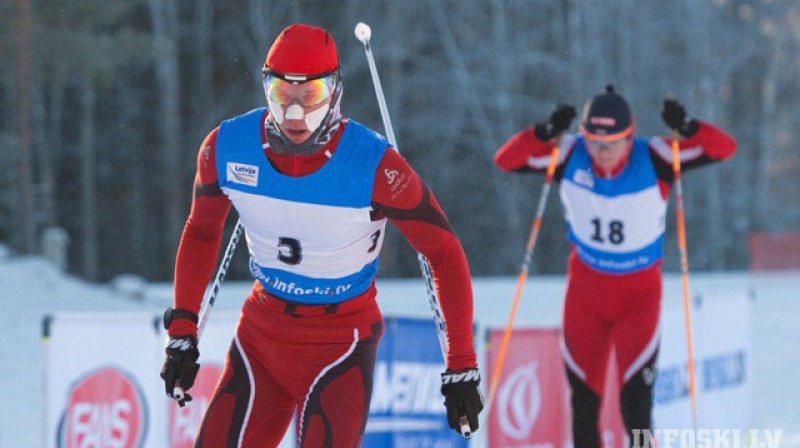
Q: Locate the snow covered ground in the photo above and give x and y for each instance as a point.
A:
(31, 287)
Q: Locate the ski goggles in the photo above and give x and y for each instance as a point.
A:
(286, 90)
(591, 134)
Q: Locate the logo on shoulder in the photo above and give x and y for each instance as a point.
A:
(206, 154)
(391, 175)
(240, 173)
(583, 177)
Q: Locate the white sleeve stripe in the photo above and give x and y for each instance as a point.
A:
(538, 162)
(541, 162)
(664, 150)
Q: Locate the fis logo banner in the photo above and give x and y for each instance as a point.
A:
(241, 173)
(105, 409)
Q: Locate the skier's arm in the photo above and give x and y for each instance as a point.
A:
(401, 196)
(536, 154)
(530, 149)
(524, 152)
(708, 144)
(201, 238)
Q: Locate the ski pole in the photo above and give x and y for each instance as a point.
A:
(212, 294)
(363, 33)
(681, 224)
(523, 275)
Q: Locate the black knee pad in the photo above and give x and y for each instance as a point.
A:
(585, 413)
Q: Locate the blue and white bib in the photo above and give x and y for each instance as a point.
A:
(616, 225)
(310, 238)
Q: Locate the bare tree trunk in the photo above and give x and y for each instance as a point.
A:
(88, 209)
(513, 203)
(713, 231)
(139, 245)
(766, 131)
(461, 75)
(45, 215)
(394, 85)
(26, 222)
(202, 99)
(262, 32)
(55, 118)
(163, 17)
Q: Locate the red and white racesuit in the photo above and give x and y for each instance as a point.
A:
(316, 358)
(613, 292)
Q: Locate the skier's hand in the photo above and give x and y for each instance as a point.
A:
(180, 366)
(675, 117)
(463, 399)
(559, 121)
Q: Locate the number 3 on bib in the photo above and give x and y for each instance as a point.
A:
(289, 250)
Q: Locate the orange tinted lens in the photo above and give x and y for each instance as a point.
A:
(604, 143)
(307, 94)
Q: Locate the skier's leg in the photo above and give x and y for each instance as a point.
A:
(247, 409)
(585, 413)
(586, 347)
(334, 412)
(636, 400)
(636, 339)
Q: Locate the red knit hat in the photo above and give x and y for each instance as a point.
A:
(303, 50)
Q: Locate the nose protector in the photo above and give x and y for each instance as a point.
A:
(294, 112)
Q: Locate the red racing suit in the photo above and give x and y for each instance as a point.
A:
(613, 295)
(316, 358)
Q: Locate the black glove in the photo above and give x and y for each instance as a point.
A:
(462, 397)
(674, 116)
(558, 123)
(180, 366)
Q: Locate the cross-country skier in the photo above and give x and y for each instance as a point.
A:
(614, 190)
(313, 191)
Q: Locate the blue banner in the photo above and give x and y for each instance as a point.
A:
(407, 408)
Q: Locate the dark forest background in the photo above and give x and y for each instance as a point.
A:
(104, 105)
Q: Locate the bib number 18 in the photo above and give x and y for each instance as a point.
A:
(614, 233)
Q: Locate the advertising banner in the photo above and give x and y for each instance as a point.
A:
(99, 375)
(103, 388)
(102, 381)
(530, 407)
(406, 409)
(721, 337)
(183, 422)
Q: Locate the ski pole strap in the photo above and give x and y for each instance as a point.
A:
(171, 314)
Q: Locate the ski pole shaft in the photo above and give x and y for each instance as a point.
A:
(208, 302)
(220, 277)
(681, 224)
(363, 33)
(523, 275)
